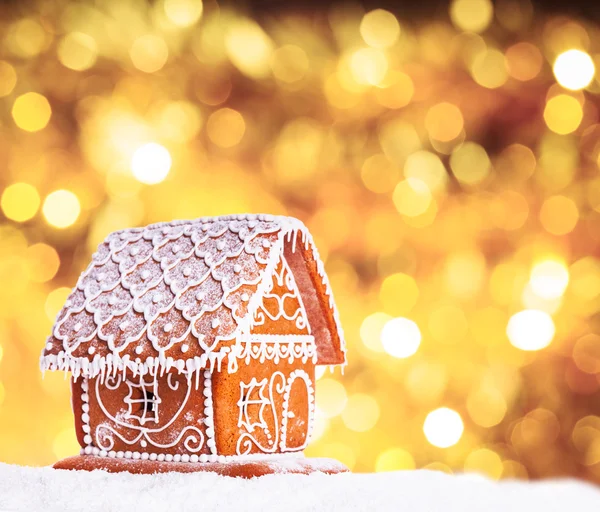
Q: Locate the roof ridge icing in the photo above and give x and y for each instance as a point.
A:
(137, 290)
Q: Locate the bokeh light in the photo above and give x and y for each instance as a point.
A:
(563, 114)
(470, 163)
(574, 69)
(226, 127)
(20, 201)
(549, 279)
(444, 122)
(443, 427)
(77, 51)
(471, 15)
(183, 13)
(379, 28)
(149, 53)
(394, 459)
(31, 112)
(61, 208)
(360, 413)
(447, 167)
(530, 329)
(151, 163)
(8, 78)
(400, 337)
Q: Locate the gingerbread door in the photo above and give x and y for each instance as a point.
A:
(298, 411)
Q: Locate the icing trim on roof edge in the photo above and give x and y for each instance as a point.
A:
(289, 227)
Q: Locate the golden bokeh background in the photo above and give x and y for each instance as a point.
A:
(447, 166)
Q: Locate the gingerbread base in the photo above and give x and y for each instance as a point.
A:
(242, 469)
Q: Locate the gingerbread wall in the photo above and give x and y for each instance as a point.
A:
(111, 415)
(260, 427)
(279, 393)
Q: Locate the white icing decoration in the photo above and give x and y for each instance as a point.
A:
(274, 347)
(254, 242)
(150, 400)
(193, 438)
(247, 439)
(284, 279)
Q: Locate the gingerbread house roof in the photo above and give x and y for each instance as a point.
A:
(178, 295)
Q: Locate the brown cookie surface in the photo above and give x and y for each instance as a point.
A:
(242, 469)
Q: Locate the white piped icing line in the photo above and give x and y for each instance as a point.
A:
(210, 275)
(209, 420)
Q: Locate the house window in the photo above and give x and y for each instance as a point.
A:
(251, 404)
(142, 401)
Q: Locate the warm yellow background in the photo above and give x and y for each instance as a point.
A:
(448, 169)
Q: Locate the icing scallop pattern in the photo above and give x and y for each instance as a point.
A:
(172, 292)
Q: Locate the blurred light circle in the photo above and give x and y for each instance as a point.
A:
(486, 406)
(427, 167)
(444, 122)
(524, 61)
(179, 121)
(360, 413)
(549, 279)
(290, 63)
(249, 48)
(226, 127)
(398, 293)
(470, 163)
(396, 90)
(471, 15)
(149, 53)
(27, 37)
(8, 78)
(586, 353)
(465, 273)
(331, 397)
(183, 13)
(489, 69)
(559, 215)
(77, 51)
(443, 427)
(369, 66)
(563, 114)
(486, 461)
(55, 301)
(394, 459)
(379, 28)
(516, 162)
(412, 197)
(31, 112)
(370, 330)
(574, 69)
(20, 201)
(530, 329)
(400, 337)
(151, 163)
(42, 262)
(61, 208)
(379, 174)
(65, 443)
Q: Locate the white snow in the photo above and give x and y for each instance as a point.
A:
(48, 490)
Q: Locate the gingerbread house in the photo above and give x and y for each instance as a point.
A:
(197, 341)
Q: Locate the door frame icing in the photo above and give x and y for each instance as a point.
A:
(310, 393)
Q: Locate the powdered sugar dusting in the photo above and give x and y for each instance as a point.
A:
(203, 278)
(37, 489)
